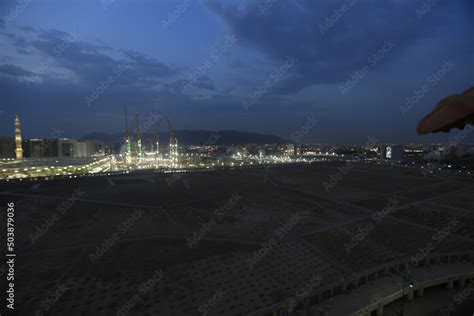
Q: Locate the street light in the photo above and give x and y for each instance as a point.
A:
(411, 285)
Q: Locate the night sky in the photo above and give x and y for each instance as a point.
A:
(259, 66)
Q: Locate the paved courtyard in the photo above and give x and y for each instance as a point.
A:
(224, 243)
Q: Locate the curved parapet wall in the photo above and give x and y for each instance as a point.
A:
(462, 272)
(400, 278)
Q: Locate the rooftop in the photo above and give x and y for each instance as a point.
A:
(247, 238)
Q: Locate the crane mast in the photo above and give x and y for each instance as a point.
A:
(157, 138)
(173, 147)
(138, 136)
(128, 145)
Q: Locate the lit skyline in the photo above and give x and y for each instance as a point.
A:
(202, 66)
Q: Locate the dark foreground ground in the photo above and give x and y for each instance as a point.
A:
(223, 243)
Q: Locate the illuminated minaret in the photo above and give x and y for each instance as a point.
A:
(19, 149)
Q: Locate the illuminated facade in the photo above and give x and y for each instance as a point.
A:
(19, 148)
(139, 148)
(174, 155)
(7, 147)
(173, 146)
(128, 144)
(289, 150)
(73, 148)
(128, 147)
(392, 152)
(139, 137)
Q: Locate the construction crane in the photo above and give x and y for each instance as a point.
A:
(157, 138)
(173, 143)
(138, 135)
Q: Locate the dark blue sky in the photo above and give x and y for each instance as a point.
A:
(259, 66)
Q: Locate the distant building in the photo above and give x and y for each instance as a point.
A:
(392, 152)
(66, 147)
(12, 147)
(289, 150)
(73, 148)
(414, 153)
(271, 149)
(47, 148)
(62, 148)
(95, 147)
(41, 148)
(7, 147)
(297, 150)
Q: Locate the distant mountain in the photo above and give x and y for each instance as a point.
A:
(186, 137)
